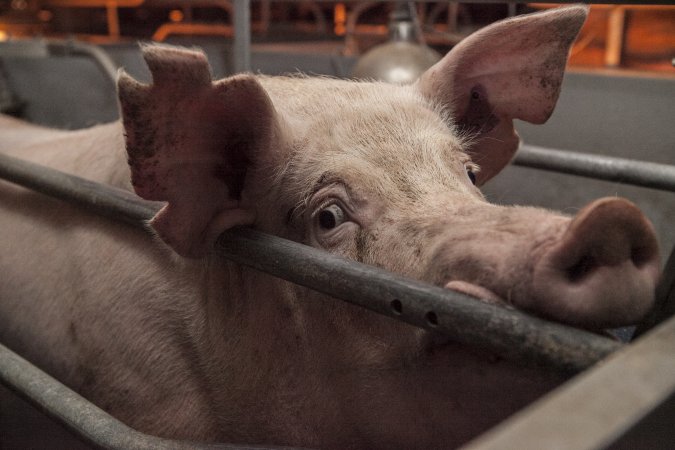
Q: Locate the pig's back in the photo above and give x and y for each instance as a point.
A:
(70, 280)
(95, 153)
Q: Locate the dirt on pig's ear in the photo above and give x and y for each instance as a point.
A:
(509, 70)
(192, 142)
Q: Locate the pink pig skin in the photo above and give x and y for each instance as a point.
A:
(179, 343)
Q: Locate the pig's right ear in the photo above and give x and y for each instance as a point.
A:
(191, 142)
(511, 69)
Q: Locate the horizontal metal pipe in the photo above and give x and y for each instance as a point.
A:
(626, 402)
(621, 170)
(94, 52)
(76, 413)
(507, 332)
(113, 203)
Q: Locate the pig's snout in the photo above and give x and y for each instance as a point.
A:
(603, 270)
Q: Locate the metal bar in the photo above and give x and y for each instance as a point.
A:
(100, 57)
(242, 36)
(113, 203)
(507, 332)
(615, 36)
(90, 423)
(629, 171)
(594, 410)
(113, 19)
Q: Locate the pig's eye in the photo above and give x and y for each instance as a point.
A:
(472, 176)
(331, 216)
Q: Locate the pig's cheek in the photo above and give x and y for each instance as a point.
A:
(341, 240)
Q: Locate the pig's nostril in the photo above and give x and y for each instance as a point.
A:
(432, 319)
(397, 306)
(642, 255)
(611, 253)
(581, 269)
(600, 271)
(608, 233)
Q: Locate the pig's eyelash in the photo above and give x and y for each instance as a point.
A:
(297, 211)
(475, 168)
(323, 205)
(303, 205)
(300, 208)
(470, 165)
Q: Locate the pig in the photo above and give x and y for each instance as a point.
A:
(180, 343)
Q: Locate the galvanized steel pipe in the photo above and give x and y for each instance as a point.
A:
(629, 171)
(76, 413)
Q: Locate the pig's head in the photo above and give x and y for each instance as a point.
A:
(387, 175)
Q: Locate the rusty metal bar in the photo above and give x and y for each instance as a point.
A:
(507, 332)
(87, 421)
(621, 170)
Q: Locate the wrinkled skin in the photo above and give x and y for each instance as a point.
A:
(179, 343)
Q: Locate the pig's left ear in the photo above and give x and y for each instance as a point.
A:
(191, 142)
(509, 70)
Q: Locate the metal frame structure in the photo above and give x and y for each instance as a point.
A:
(627, 388)
(83, 418)
(555, 421)
(242, 23)
(508, 333)
(620, 170)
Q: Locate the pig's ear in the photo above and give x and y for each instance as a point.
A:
(190, 142)
(511, 69)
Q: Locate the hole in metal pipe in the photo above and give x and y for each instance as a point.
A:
(396, 306)
(432, 319)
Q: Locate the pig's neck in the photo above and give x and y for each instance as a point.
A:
(244, 326)
(287, 360)
(267, 347)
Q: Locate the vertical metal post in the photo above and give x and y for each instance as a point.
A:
(242, 35)
(113, 19)
(615, 34)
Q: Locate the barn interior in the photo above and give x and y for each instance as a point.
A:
(59, 61)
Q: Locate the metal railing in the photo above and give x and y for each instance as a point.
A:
(627, 402)
(242, 24)
(509, 333)
(608, 168)
(89, 422)
(506, 332)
